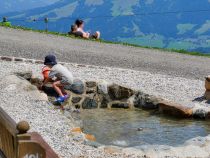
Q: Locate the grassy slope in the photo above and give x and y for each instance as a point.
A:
(103, 41)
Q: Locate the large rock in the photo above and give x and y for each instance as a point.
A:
(89, 103)
(102, 87)
(36, 81)
(117, 92)
(14, 84)
(174, 109)
(26, 75)
(145, 101)
(78, 87)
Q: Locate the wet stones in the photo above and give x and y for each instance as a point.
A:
(76, 99)
(104, 101)
(91, 84)
(89, 104)
(90, 137)
(117, 92)
(92, 95)
(78, 87)
(145, 101)
(200, 114)
(120, 105)
(102, 87)
(91, 90)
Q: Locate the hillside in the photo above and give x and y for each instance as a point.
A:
(29, 44)
(21, 5)
(180, 24)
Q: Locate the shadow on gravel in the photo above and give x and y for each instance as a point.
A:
(201, 99)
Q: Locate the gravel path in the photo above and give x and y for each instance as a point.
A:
(35, 45)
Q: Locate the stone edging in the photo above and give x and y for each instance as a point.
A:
(34, 61)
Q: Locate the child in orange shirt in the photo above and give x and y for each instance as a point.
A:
(45, 72)
(58, 75)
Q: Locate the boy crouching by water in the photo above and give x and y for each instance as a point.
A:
(58, 75)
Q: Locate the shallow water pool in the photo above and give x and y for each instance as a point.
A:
(130, 128)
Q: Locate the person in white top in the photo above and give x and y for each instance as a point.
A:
(87, 35)
(60, 76)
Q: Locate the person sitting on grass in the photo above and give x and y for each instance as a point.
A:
(58, 75)
(75, 32)
(80, 28)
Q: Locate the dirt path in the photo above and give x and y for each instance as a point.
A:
(36, 45)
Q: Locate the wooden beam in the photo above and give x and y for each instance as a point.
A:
(29, 148)
(49, 151)
(8, 122)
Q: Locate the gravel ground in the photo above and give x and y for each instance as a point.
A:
(180, 90)
(55, 127)
(35, 45)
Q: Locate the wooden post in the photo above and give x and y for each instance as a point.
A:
(207, 87)
(26, 147)
(46, 20)
(8, 133)
(16, 142)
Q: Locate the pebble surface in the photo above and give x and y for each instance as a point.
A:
(55, 127)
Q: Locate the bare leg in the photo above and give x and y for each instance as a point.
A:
(97, 34)
(63, 90)
(58, 88)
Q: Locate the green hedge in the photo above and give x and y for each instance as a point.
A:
(8, 24)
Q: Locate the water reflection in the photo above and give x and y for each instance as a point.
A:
(136, 127)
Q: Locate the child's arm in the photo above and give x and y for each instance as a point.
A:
(45, 73)
(45, 81)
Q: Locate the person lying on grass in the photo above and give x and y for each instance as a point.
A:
(79, 25)
(58, 75)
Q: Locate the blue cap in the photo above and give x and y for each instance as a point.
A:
(50, 60)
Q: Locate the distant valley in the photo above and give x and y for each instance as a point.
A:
(180, 24)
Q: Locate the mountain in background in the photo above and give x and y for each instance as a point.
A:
(177, 24)
(20, 5)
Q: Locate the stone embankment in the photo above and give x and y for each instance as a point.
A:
(92, 95)
(22, 100)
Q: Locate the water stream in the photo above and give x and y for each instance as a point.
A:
(129, 128)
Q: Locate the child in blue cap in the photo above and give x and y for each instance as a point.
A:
(59, 75)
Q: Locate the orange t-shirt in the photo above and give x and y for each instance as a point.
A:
(45, 72)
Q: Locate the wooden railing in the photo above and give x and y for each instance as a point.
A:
(15, 142)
